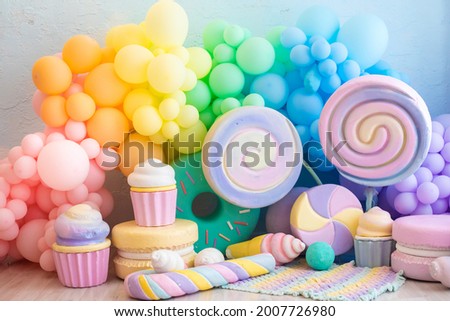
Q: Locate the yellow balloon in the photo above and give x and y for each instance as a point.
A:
(105, 87)
(131, 63)
(167, 24)
(190, 81)
(188, 116)
(146, 120)
(190, 140)
(169, 109)
(170, 129)
(158, 138)
(199, 61)
(137, 149)
(179, 96)
(137, 98)
(166, 73)
(181, 52)
(128, 34)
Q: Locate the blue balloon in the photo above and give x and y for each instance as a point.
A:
(314, 130)
(304, 107)
(301, 56)
(292, 36)
(320, 49)
(330, 84)
(294, 80)
(366, 38)
(312, 79)
(338, 52)
(327, 68)
(349, 69)
(304, 134)
(273, 88)
(319, 20)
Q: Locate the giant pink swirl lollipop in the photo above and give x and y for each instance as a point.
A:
(376, 130)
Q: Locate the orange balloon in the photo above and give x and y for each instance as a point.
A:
(108, 54)
(105, 87)
(51, 75)
(53, 111)
(82, 53)
(108, 127)
(80, 106)
(137, 149)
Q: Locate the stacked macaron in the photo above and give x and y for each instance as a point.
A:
(420, 240)
(153, 195)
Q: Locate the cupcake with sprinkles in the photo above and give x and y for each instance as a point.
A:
(81, 251)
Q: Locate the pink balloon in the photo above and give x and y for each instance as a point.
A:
(58, 197)
(8, 173)
(2, 200)
(95, 198)
(42, 246)
(108, 159)
(50, 236)
(27, 241)
(96, 177)
(63, 208)
(53, 214)
(43, 199)
(56, 135)
(63, 165)
(34, 213)
(108, 202)
(25, 167)
(34, 180)
(18, 207)
(4, 248)
(38, 98)
(10, 233)
(75, 130)
(15, 153)
(93, 205)
(73, 89)
(4, 186)
(7, 219)
(32, 144)
(79, 79)
(20, 191)
(46, 261)
(78, 194)
(91, 147)
(14, 254)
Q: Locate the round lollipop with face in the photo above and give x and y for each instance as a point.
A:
(376, 130)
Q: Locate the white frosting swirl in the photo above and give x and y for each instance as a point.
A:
(167, 261)
(207, 256)
(152, 173)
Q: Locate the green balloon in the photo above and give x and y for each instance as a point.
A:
(199, 97)
(207, 117)
(224, 53)
(228, 104)
(226, 80)
(253, 100)
(213, 34)
(215, 106)
(255, 55)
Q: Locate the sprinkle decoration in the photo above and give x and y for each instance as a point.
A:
(190, 177)
(183, 187)
(244, 211)
(241, 223)
(224, 237)
(229, 225)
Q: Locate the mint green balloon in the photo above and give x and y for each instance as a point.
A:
(224, 53)
(228, 104)
(253, 100)
(199, 96)
(216, 105)
(207, 117)
(255, 55)
(226, 80)
(213, 34)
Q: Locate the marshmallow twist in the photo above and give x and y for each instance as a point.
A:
(145, 285)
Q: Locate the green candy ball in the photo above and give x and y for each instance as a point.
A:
(320, 256)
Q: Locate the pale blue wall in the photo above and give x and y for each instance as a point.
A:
(419, 42)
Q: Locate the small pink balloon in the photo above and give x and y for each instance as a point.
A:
(50, 224)
(46, 261)
(4, 248)
(108, 159)
(91, 147)
(8, 174)
(78, 194)
(42, 246)
(32, 199)
(43, 199)
(41, 135)
(4, 186)
(10, 233)
(14, 254)
(73, 89)
(32, 144)
(53, 214)
(50, 236)
(15, 153)
(34, 180)
(34, 213)
(27, 240)
(95, 198)
(20, 191)
(2, 200)
(58, 197)
(25, 167)
(75, 130)
(18, 207)
(63, 165)
(36, 102)
(96, 177)
(57, 135)
(63, 208)
(7, 218)
(108, 202)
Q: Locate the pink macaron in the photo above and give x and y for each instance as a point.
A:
(420, 240)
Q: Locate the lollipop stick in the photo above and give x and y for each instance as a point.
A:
(313, 174)
(371, 196)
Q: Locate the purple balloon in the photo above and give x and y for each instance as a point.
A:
(406, 203)
(427, 193)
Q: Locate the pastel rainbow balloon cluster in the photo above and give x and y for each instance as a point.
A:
(145, 285)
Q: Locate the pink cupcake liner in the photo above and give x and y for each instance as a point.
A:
(82, 270)
(154, 208)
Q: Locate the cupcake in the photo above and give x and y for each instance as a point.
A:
(81, 251)
(373, 240)
(153, 193)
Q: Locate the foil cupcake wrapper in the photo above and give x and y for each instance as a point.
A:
(373, 253)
